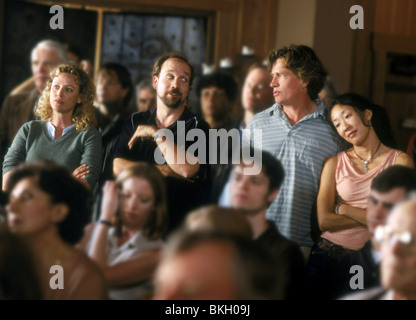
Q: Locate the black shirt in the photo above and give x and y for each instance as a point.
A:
(290, 263)
(183, 195)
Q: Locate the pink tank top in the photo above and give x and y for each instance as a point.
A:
(354, 188)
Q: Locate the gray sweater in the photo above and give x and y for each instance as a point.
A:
(33, 142)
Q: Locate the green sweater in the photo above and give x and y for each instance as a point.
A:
(33, 142)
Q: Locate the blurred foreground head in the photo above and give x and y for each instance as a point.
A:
(398, 248)
(215, 266)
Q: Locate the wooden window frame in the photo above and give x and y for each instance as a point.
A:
(202, 9)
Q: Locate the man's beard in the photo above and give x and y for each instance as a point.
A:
(172, 104)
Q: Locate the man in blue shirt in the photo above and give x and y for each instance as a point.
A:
(295, 131)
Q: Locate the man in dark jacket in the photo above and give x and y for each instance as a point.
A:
(252, 194)
(160, 136)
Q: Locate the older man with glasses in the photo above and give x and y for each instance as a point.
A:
(398, 256)
(387, 189)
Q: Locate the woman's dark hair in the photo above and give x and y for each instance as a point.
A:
(220, 80)
(379, 120)
(19, 278)
(63, 187)
(123, 75)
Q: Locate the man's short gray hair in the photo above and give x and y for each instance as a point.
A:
(52, 45)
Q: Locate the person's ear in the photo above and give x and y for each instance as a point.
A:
(60, 212)
(368, 114)
(304, 83)
(155, 82)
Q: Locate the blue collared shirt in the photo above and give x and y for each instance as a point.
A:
(302, 149)
(51, 130)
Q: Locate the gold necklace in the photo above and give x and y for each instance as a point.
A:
(366, 162)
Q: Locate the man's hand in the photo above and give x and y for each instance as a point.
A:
(142, 131)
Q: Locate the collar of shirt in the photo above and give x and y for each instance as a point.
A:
(152, 116)
(129, 244)
(318, 113)
(185, 116)
(51, 129)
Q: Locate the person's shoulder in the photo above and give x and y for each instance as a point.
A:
(188, 113)
(17, 98)
(202, 124)
(33, 125)
(90, 133)
(190, 117)
(262, 116)
(36, 122)
(332, 160)
(233, 123)
(85, 265)
(267, 113)
(22, 94)
(142, 113)
(282, 246)
(278, 237)
(140, 117)
(404, 159)
(87, 276)
(91, 130)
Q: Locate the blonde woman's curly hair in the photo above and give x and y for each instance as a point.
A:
(83, 115)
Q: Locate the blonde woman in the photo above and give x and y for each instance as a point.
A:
(128, 237)
(66, 132)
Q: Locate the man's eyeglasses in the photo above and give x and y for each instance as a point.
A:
(386, 233)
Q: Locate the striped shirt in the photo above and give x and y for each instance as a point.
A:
(302, 149)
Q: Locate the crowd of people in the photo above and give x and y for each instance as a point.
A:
(104, 201)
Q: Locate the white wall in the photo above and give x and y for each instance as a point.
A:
(334, 40)
(296, 22)
(324, 26)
